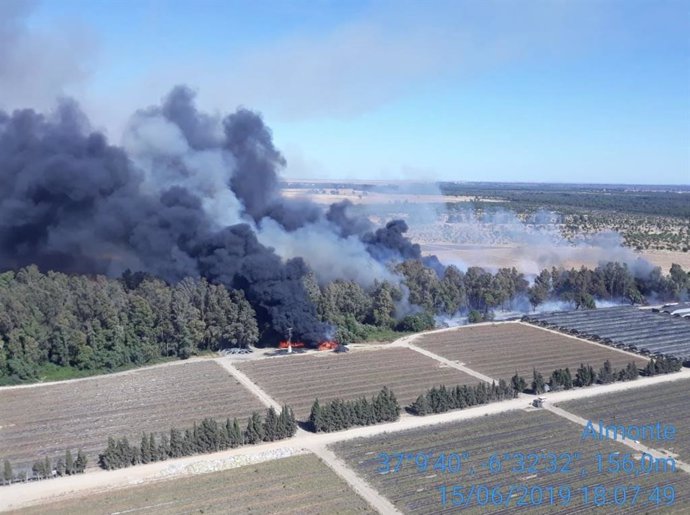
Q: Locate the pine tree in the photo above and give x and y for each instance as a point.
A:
(60, 467)
(287, 425)
(518, 383)
(145, 449)
(80, 463)
(69, 463)
(271, 432)
(292, 422)
(38, 469)
(164, 448)
(254, 432)
(176, 443)
(316, 417)
(188, 443)
(537, 382)
(420, 406)
(107, 459)
(7, 475)
(153, 449)
(585, 375)
(237, 437)
(606, 373)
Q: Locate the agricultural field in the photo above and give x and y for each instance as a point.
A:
(539, 431)
(499, 350)
(300, 484)
(45, 420)
(668, 403)
(298, 380)
(628, 326)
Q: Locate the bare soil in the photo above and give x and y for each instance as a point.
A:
(414, 489)
(298, 380)
(667, 404)
(46, 420)
(299, 484)
(502, 349)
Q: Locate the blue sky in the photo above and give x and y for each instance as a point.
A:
(579, 91)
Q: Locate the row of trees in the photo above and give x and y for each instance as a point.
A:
(442, 399)
(43, 469)
(208, 436)
(662, 365)
(339, 414)
(586, 375)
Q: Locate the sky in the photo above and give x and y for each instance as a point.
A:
(529, 91)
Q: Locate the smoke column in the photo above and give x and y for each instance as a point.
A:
(188, 194)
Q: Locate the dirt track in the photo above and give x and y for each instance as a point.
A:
(23, 494)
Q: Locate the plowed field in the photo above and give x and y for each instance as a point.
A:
(46, 420)
(499, 350)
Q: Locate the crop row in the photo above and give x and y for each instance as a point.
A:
(668, 403)
(83, 414)
(413, 491)
(502, 349)
(269, 487)
(298, 380)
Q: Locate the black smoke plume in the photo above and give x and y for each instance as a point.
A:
(185, 202)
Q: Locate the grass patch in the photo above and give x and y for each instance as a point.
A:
(384, 334)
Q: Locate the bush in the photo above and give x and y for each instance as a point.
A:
(416, 323)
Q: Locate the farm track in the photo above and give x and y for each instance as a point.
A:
(414, 491)
(303, 441)
(668, 403)
(44, 491)
(632, 444)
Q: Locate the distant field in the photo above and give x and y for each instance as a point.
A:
(668, 403)
(298, 380)
(514, 432)
(499, 350)
(48, 419)
(666, 258)
(301, 484)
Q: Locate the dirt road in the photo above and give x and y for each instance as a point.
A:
(630, 443)
(359, 485)
(22, 494)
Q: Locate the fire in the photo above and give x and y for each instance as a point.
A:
(286, 345)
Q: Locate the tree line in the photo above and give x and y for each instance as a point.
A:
(442, 399)
(94, 323)
(339, 414)
(98, 324)
(586, 375)
(208, 436)
(45, 468)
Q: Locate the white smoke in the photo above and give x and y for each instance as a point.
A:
(500, 238)
(166, 159)
(328, 255)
